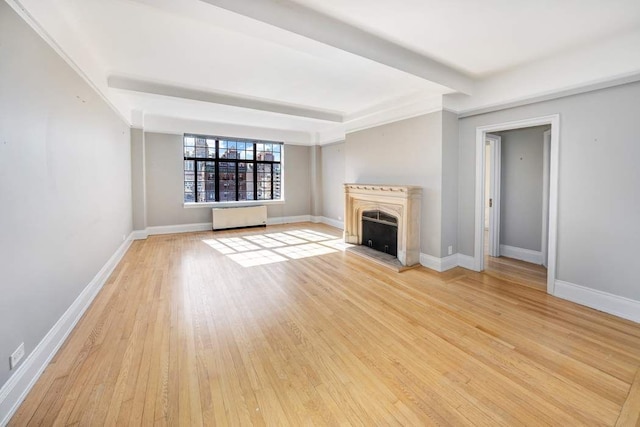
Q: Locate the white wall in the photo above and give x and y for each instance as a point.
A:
(407, 152)
(599, 181)
(65, 186)
(164, 171)
(521, 187)
(332, 179)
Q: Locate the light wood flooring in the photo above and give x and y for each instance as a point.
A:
(279, 326)
(513, 270)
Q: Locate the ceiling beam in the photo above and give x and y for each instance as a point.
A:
(317, 26)
(144, 86)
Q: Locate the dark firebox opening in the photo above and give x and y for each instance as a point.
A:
(380, 232)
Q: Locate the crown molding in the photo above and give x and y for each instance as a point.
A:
(548, 96)
(179, 126)
(39, 29)
(233, 100)
(393, 110)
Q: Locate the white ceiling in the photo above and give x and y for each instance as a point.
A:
(236, 59)
(488, 36)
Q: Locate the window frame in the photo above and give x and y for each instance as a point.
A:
(217, 161)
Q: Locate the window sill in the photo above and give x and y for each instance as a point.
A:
(191, 205)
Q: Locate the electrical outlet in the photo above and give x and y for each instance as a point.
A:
(16, 356)
(124, 237)
(450, 250)
(339, 218)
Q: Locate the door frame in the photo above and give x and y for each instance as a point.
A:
(546, 151)
(495, 150)
(481, 135)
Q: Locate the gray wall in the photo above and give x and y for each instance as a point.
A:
(407, 152)
(332, 180)
(521, 187)
(449, 183)
(315, 180)
(138, 184)
(599, 196)
(64, 184)
(164, 183)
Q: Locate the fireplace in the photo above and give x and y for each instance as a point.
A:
(380, 231)
(375, 212)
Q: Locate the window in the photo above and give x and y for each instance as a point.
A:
(218, 169)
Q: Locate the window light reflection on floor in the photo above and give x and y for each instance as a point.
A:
(305, 251)
(261, 249)
(252, 258)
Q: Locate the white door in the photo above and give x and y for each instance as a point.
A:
(495, 147)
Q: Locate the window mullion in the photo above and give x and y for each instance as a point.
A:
(217, 172)
(255, 172)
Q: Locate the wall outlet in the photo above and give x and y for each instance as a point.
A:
(16, 356)
(124, 237)
(450, 250)
(339, 218)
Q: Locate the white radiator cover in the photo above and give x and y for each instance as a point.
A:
(247, 216)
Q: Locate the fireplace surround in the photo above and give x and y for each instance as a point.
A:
(399, 201)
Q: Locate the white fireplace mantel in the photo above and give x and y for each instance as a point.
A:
(400, 201)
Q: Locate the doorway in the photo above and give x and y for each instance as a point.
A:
(487, 234)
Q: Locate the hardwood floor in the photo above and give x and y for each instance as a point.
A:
(279, 326)
(513, 270)
(517, 272)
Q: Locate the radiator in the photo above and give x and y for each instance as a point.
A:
(249, 216)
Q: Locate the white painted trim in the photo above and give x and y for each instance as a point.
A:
(466, 261)
(603, 301)
(495, 144)
(139, 234)
(439, 264)
(207, 226)
(17, 6)
(391, 111)
(546, 164)
(448, 262)
(329, 221)
(128, 84)
(534, 257)
(15, 390)
(180, 228)
(481, 131)
(288, 219)
(528, 99)
(178, 126)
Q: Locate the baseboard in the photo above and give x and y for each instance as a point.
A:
(603, 301)
(139, 234)
(206, 226)
(180, 228)
(15, 390)
(329, 221)
(288, 219)
(466, 261)
(534, 257)
(439, 264)
(448, 262)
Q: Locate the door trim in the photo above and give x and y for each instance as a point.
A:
(546, 150)
(481, 134)
(495, 150)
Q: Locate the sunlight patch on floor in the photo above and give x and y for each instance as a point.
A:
(261, 249)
